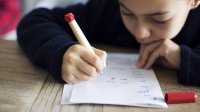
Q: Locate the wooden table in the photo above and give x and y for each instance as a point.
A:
(25, 87)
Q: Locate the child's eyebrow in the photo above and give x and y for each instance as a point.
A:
(159, 13)
(122, 5)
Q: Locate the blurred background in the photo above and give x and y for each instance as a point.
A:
(11, 12)
(28, 5)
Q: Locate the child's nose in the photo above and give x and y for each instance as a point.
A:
(142, 31)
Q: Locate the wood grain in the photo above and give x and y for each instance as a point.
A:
(20, 81)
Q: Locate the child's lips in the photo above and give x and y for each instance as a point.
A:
(148, 40)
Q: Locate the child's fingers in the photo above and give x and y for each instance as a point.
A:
(146, 51)
(86, 68)
(74, 75)
(92, 59)
(80, 75)
(153, 56)
(140, 55)
(68, 75)
(102, 54)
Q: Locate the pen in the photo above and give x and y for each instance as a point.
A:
(180, 97)
(77, 31)
(79, 34)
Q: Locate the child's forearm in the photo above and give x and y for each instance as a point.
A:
(189, 67)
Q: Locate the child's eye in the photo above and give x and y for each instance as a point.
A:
(127, 13)
(160, 21)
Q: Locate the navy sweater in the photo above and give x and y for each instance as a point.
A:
(44, 36)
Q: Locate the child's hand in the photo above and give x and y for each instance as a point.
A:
(166, 52)
(80, 64)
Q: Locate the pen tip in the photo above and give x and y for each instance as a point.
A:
(69, 17)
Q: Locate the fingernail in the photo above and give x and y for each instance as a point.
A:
(104, 62)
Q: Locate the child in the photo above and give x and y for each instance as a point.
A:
(167, 32)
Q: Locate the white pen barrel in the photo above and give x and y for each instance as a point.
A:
(79, 35)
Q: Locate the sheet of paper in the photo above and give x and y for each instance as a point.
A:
(121, 83)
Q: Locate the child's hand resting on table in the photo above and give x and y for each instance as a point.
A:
(80, 64)
(164, 52)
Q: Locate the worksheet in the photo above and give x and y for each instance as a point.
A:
(121, 83)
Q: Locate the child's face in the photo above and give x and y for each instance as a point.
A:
(154, 19)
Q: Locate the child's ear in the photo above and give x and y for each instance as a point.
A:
(195, 4)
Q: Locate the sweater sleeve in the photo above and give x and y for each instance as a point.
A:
(190, 66)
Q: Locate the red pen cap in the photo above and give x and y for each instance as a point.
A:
(180, 97)
(69, 17)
